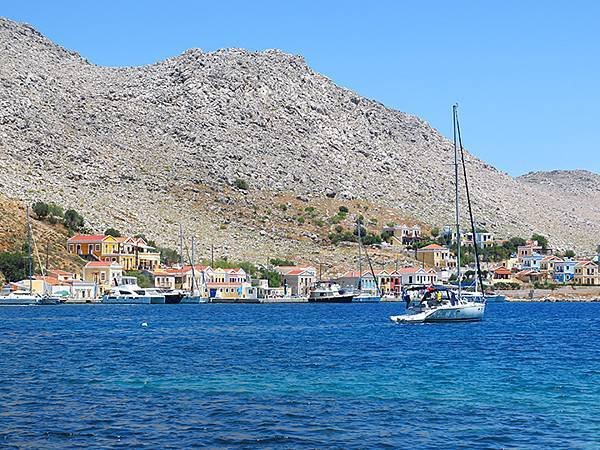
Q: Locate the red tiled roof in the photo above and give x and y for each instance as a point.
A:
(60, 272)
(48, 280)
(408, 269)
(86, 238)
(100, 263)
(432, 247)
(502, 271)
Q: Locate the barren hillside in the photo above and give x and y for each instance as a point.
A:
(145, 148)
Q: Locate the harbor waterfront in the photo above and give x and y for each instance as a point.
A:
(298, 376)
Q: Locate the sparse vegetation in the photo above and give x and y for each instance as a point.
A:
(144, 279)
(13, 265)
(73, 220)
(281, 262)
(241, 184)
(41, 210)
(112, 232)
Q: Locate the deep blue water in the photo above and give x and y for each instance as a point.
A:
(298, 376)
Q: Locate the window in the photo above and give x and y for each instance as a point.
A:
(97, 247)
(71, 248)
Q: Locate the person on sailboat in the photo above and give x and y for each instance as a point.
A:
(406, 297)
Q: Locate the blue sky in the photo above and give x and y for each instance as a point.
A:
(526, 74)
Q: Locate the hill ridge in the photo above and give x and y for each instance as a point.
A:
(148, 147)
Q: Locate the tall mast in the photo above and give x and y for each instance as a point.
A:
(478, 275)
(359, 255)
(456, 200)
(192, 262)
(180, 245)
(29, 259)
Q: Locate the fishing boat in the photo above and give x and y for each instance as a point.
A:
(438, 303)
(327, 292)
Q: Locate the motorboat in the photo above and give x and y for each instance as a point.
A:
(127, 292)
(20, 298)
(325, 292)
(425, 304)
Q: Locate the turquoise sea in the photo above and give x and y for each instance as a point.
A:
(298, 376)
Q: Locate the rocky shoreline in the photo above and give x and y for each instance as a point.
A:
(562, 294)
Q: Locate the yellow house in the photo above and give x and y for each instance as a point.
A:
(106, 274)
(434, 255)
(586, 273)
(131, 253)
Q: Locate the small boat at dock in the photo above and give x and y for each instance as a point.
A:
(327, 292)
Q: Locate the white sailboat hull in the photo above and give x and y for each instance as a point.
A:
(468, 312)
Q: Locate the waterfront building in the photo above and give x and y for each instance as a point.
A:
(532, 262)
(232, 290)
(586, 273)
(416, 275)
(531, 276)
(352, 278)
(131, 253)
(501, 274)
(184, 278)
(564, 270)
(105, 274)
(547, 263)
(297, 280)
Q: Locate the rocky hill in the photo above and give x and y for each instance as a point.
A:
(48, 239)
(144, 148)
(573, 183)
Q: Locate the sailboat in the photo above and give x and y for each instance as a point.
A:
(24, 296)
(194, 295)
(365, 295)
(439, 303)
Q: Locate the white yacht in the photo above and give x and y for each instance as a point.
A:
(20, 298)
(129, 293)
(438, 304)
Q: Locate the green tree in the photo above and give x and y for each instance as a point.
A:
(512, 244)
(73, 220)
(13, 265)
(281, 262)
(144, 279)
(55, 210)
(569, 254)
(435, 232)
(542, 240)
(41, 209)
(168, 256)
(275, 279)
(343, 209)
(112, 232)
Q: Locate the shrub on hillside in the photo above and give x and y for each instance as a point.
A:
(73, 220)
(41, 209)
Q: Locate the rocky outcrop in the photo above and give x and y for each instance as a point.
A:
(148, 147)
